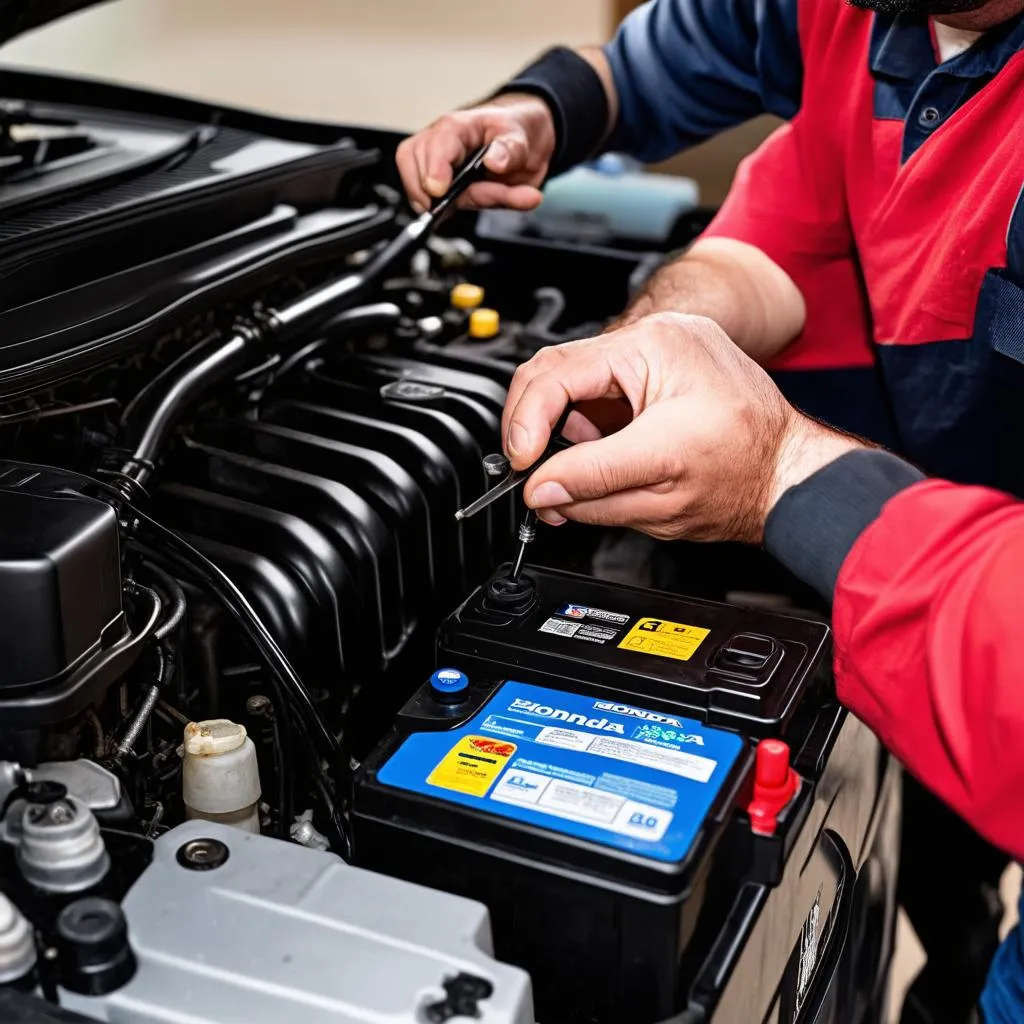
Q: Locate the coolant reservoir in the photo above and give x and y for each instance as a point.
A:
(220, 778)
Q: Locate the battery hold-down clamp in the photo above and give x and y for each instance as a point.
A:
(775, 786)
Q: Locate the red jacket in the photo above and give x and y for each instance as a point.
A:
(930, 646)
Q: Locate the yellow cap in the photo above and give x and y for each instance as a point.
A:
(467, 296)
(484, 324)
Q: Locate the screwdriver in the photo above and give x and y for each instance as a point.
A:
(496, 465)
(527, 534)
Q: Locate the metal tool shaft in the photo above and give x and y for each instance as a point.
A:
(527, 533)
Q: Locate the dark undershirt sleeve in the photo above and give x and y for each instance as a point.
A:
(815, 525)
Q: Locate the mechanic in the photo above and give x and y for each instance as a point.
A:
(924, 575)
(875, 243)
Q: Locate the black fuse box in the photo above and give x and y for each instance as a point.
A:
(577, 766)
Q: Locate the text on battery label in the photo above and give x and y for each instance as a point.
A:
(595, 634)
(573, 802)
(663, 759)
(605, 771)
(560, 628)
(582, 611)
(675, 640)
(631, 712)
(472, 765)
(532, 707)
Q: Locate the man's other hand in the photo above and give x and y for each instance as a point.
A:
(521, 132)
(679, 433)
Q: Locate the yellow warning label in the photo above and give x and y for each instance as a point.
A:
(664, 639)
(472, 765)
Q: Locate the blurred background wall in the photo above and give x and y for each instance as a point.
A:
(392, 63)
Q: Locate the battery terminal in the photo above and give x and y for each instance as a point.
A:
(775, 785)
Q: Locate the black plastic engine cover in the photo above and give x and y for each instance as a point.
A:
(60, 578)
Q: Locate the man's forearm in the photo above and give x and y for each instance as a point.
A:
(746, 293)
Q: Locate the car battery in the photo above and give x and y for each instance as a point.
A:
(579, 769)
(741, 668)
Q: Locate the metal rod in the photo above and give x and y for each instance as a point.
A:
(527, 533)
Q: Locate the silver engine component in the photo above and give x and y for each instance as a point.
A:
(61, 849)
(90, 783)
(234, 928)
(97, 788)
(17, 945)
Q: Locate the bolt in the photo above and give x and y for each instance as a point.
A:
(51, 814)
(203, 854)
(259, 705)
(496, 464)
(60, 814)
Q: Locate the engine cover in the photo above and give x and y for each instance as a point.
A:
(280, 933)
(61, 578)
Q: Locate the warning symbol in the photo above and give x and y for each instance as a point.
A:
(664, 639)
(472, 765)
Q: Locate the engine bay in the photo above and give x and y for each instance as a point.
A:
(278, 741)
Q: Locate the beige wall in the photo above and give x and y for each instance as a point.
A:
(393, 63)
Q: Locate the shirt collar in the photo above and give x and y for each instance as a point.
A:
(901, 47)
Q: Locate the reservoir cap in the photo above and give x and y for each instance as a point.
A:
(467, 296)
(484, 324)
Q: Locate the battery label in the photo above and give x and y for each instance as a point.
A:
(664, 639)
(615, 774)
(573, 802)
(472, 764)
(579, 631)
(582, 612)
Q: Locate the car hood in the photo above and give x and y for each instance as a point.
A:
(17, 16)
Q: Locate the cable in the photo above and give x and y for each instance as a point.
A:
(191, 385)
(33, 415)
(149, 629)
(154, 384)
(281, 737)
(178, 608)
(138, 721)
(196, 563)
(234, 600)
(281, 327)
(284, 786)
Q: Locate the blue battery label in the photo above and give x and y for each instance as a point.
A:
(611, 773)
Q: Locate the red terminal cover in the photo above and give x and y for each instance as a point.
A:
(775, 784)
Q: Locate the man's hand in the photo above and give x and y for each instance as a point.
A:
(705, 445)
(521, 132)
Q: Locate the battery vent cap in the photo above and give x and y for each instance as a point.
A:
(449, 685)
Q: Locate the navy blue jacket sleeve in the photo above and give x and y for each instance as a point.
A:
(688, 69)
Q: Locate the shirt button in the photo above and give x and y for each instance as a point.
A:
(929, 117)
